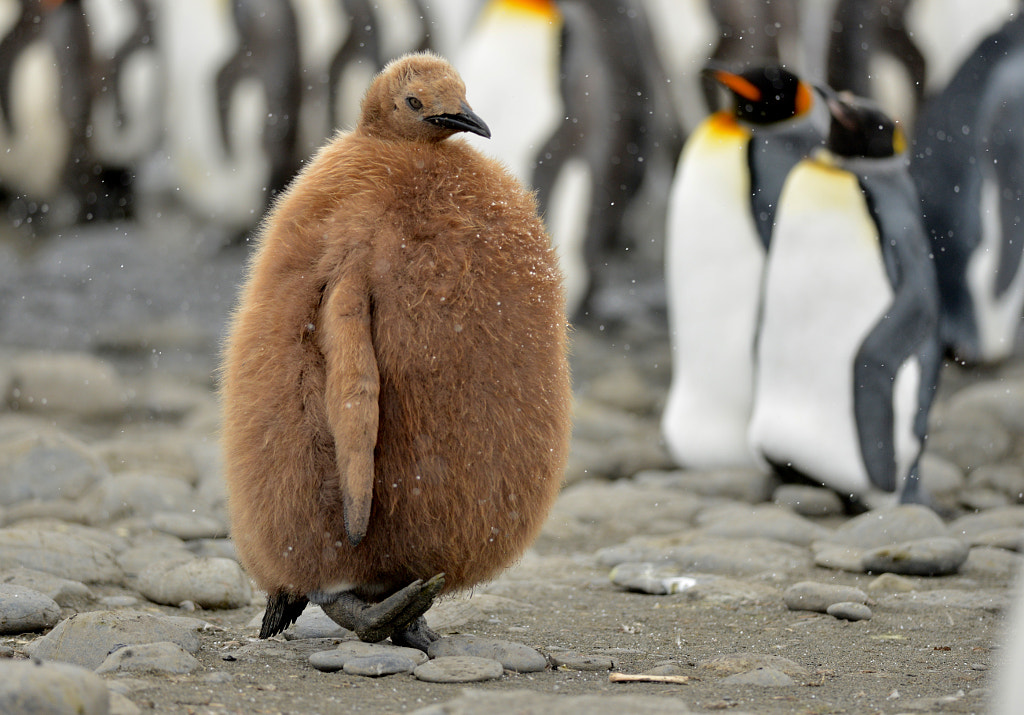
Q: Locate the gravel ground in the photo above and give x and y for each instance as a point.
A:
(723, 590)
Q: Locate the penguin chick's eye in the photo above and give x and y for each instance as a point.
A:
(414, 103)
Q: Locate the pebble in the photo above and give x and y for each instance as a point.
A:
(580, 661)
(86, 639)
(160, 657)
(188, 525)
(746, 485)
(891, 525)
(512, 656)
(849, 611)
(207, 582)
(735, 663)
(29, 687)
(472, 702)
(1006, 478)
(23, 610)
(46, 464)
(375, 666)
(840, 558)
(459, 669)
(968, 437)
(769, 521)
(62, 554)
(993, 601)
(646, 577)
(1008, 538)
(922, 557)
(984, 561)
(763, 677)
(74, 383)
(807, 500)
(312, 623)
(818, 597)
(137, 493)
(971, 525)
(65, 592)
(939, 475)
(330, 661)
(891, 583)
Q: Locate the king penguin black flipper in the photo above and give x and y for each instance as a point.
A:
(283, 609)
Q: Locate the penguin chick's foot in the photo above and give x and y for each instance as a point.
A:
(399, 615)
(418, 635)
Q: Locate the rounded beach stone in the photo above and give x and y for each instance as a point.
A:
(75, 383)
(458, 669)
(807, 500)
(374, 666)
(46, 465)
(207, 582)
(65, 592)
(921, 557)
(892, 525)
(31, 687)
(512, 656)
(645, 577)
(62, 554)
(23, 610)
(849, 611)
(159, 657)
(331, 661)
(815, 596)
(764, 677)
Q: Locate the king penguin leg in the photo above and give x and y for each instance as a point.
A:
(400, 615)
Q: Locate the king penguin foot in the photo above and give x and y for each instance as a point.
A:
(416, 635)
(398, 614)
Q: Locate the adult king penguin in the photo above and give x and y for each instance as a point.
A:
(396, 391)
(847, 349)
(721, 211)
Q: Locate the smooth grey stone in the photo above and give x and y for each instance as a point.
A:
(1002, 398)
(65, 592)
(136, 494)
(1009, 538)
(971, 525)
(807, 500)
(642, 507)
(86, 639)
(220, 548)
(63, 554)
(645, 577)
(75, 383)
(734, 663)
(1006, 478)
(139, 558)
(166, 452)
(990, 600)
(840, 558)
(968, 438)
(31, 688)
(624, 388)
(979, 499)
(763, 677)
(767, 521)
(46, 465)
(512, 656)
(448, 615)
(815, 596)
(373, 666)
(159, 657)
(922, 557)
(740, 557)
(746, 485)
(458, 669)
(987, 562)
(330, 661)
(475, 702)
(849, 611)
(580, 661)
(313, 623)
(891, 525)
(207, 582)
(939, 475)
(892, 583)
(23, 610)
(112, 602)
(188, 525)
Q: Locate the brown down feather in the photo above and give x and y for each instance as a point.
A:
(395, 388)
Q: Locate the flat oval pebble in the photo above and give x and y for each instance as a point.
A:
(922, 557)
(815, 596)
(159, 657)
(28, 687)
(579, 661)
(330, 661)
(374, 666)
(65, 592)
(646, 577)
(459, 669)
(849, 611)
(62, 554)
(891, 525)
(207, 582)
(512, 656)
(187, 525)
(23, 610)
(807, 500)
(763, 677)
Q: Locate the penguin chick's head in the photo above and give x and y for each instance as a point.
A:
(860, 128)
(420, 98)
(765, 95)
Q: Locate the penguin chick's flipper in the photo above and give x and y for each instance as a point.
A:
(282, 610)
(398, 614)
(353, 386)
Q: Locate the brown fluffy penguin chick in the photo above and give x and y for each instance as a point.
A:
(395, 389)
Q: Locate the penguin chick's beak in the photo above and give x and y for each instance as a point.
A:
(464, 121)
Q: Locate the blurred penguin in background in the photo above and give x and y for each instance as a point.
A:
(968, 163)
(847, 348)
(720, 220)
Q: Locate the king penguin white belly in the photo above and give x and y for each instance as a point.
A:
(713, 309)
(825, 289)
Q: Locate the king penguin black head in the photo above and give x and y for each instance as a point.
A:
(765, 94)
(860, 128)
